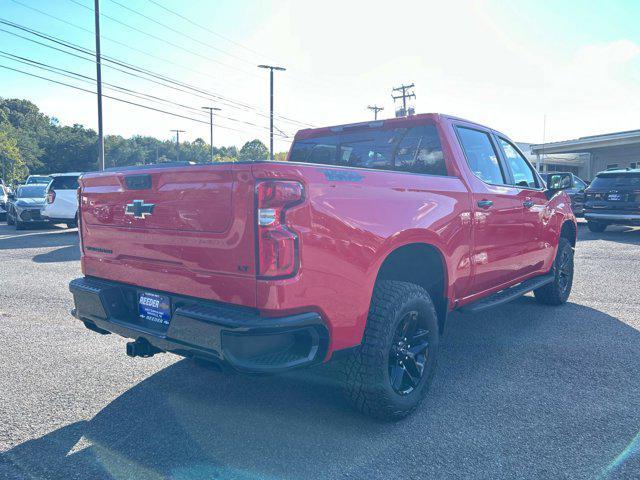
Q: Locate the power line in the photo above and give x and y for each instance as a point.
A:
(164, 40)
(186, 19)
(117, 42)
(231, 103)
(118, 99)
(261, 55)
(181, 33)
(111, 86)
(143, 71)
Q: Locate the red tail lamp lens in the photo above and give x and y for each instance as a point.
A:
(277, 244)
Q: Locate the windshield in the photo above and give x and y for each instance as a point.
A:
(416, 150)
(36, 191)
(36, 179)
(610, 180)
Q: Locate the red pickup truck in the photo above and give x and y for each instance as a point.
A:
(355, 249)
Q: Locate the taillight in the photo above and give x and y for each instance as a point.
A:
(79, 217)
(51, 196)
(277, 244)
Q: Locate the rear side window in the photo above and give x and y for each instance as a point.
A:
(481, 155)
(64, 183)
(416, 150)
(420, 151)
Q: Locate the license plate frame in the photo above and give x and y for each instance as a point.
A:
(154, 310)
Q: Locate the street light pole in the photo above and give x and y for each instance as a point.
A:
(178, 132)
(271, 69)
(211, 110)
(96, 11)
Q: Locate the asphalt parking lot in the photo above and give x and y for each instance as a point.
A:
(522, 391)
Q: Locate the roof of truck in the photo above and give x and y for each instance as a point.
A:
(387, 122)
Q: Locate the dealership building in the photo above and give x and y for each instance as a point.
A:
(586, 156)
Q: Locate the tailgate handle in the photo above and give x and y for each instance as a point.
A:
(138, 182)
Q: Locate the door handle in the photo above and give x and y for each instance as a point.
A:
(485, 204)
(528, 203)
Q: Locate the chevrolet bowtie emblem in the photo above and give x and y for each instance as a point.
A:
(139, 209)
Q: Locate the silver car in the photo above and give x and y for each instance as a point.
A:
(25, 206)
(4, 198)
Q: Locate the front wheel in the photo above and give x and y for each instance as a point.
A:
(557, 292)
(596, 227)
(389, 374)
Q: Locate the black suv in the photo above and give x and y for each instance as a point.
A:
(613, 198)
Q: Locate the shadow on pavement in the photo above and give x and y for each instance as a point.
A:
(614, 233)
(524, 391)
(47, 236)
(63, 254)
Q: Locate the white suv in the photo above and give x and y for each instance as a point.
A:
(62, 199)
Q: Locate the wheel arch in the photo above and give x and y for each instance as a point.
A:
(569, 231)
(422, 264)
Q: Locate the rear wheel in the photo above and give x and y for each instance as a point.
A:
(596, 226)
(389, 374)
(557, 292)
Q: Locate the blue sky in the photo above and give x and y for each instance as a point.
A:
(506, 64)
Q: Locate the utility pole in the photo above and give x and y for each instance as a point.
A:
(271, 69)
(375, 109)
(406, 93)
(178, 132)
(211, 109)
(96, 12)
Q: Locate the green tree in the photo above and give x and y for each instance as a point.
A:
(71, 149)
(31, 127)
(254, 150)
(13, 168)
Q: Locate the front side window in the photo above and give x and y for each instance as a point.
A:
(580, 185)
(482, 157)
(523, 175)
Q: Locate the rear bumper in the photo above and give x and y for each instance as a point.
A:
(230, 335)
(621, 218)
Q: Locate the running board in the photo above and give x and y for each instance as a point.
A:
(508, 294)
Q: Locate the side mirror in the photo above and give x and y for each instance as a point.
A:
(557, 182)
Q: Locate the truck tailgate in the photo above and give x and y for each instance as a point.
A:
(187, 230)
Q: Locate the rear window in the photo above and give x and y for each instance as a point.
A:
(415, 150)
(611, 180)
(64, 183)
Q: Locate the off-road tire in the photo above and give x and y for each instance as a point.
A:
(596, 227)
(365, 372)
(557, 292)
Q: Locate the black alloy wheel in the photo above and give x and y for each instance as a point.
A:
(408, 355)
